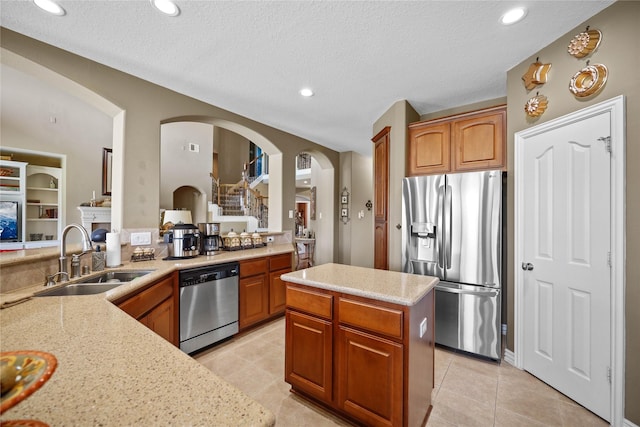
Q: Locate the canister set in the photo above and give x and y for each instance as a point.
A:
(189, 241)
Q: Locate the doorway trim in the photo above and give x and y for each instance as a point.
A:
(616, 108)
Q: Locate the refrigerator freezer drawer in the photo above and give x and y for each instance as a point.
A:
(468, 319)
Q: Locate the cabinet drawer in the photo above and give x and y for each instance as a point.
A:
(145, 301)
(280, 262)
(310, 302)
(380, 320)
(252, 267)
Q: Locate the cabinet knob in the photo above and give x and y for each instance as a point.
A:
(398, 226)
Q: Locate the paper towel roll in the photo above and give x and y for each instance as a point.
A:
(113, 249)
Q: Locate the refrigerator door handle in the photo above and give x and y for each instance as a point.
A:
(439, 228)
(448, 212)
(489, 292)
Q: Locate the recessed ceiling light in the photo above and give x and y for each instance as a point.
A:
(50, 6)
(306, 92)
(513, 15)
(167, 7)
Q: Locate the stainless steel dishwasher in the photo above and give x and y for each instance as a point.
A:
(208, 305)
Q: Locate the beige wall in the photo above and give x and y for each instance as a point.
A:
(398, 117)
(620, 53)
(147, 105)
(356, 236)
(233, 152)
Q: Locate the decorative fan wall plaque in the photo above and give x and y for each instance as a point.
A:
(536, 75)
(536, 106)
(589, 80)
(584, 43)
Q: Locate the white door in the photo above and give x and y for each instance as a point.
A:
(566, 228)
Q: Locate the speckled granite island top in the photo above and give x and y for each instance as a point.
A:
(112, 370)
(383, 285)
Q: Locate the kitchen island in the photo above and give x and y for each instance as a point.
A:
(360, 342)
(111, 369)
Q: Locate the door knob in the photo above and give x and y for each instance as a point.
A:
(527, 266)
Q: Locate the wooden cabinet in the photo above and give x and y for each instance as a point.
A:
(381, 197)
(365, 359)
(253, 292)
(156, 307)
(261, 291)
(466, 142)
(370, 372)
(278, 265)
(309, 344)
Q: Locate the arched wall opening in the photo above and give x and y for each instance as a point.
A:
(275, 213)
(322, 206)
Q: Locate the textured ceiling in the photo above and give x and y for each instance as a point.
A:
(252, 57)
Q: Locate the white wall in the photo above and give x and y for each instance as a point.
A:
(180, 167)
(80, 132)
(326, 213)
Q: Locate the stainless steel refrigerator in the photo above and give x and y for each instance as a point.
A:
(452, 229)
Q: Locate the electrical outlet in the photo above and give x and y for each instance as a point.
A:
(423, 327)
(270, 239)
(138, 239)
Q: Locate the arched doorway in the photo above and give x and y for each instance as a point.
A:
(315, 204)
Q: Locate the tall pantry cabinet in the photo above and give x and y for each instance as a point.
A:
(381, 198)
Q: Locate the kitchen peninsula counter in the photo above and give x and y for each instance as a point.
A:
(112, 370)
(360, 342)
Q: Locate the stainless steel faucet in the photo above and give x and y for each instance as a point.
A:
(86, 247)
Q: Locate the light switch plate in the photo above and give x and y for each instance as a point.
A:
(138, 239)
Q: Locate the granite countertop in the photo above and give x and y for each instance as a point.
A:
(382, 285)
(112, 370)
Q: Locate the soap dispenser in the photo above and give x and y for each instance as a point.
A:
(97, 259)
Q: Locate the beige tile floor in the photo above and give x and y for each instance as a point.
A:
(468, 391)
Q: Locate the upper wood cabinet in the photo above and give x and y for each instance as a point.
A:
(429, 149)
(466, 142)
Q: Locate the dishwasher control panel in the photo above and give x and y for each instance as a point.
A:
(196, 276)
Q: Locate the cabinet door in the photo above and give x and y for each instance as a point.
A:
(381, 176)
(277, 292)
(479, 142)
(308, 355)
(254, 299)
(429, 149)
(160, 320)
(370, 378)
(380, 258)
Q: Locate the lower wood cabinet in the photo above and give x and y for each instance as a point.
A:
(156, 306)
(365, 359)
(370, 372)
(261, 292)
(309, 344)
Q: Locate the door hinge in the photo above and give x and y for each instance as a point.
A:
(609, 259)
(607, 143)
(609, 374)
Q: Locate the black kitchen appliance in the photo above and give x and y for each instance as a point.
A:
(210, 239)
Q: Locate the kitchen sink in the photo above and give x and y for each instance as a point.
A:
(118, 276)
(97, 284)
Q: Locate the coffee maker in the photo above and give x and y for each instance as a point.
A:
(210, 240)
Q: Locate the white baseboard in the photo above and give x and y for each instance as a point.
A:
(628, 423)
(509, 357)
